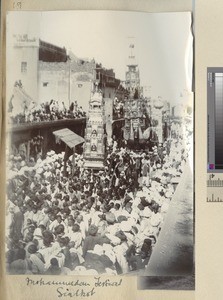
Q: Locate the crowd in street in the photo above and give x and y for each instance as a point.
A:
(88, 222)
(48, 111)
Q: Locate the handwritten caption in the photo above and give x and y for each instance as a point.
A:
(75, 288)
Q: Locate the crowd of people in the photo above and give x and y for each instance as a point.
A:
(48, 111)
(90, 222)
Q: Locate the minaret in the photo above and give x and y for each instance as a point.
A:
(132, 74)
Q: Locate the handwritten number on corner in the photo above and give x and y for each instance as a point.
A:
(17, 5)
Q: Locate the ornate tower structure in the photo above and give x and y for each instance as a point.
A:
(135, 110)
(132, 74)
(94, 149)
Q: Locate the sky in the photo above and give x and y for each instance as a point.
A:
(163, 43)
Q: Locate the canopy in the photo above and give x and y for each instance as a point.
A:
(70, 138)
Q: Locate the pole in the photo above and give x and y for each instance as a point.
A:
(69, 84)
(73, 162)
(65, 161)
(28, 151)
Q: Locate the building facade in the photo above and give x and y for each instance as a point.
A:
(66, 82)
(47, 72)
(22, 64)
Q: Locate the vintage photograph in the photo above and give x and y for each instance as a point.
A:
(99, 150)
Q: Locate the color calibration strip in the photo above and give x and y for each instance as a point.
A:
(219, 121)
(215, 120)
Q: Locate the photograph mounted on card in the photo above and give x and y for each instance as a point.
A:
(99, 144)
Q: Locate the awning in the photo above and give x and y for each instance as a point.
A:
(70, 138)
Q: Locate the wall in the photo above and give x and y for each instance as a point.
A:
(81, 92)
(23, 50)
(67, 82)
(53, 84)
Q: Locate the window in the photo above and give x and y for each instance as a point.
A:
(80, 85)
(23, 67)
(45, 83)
